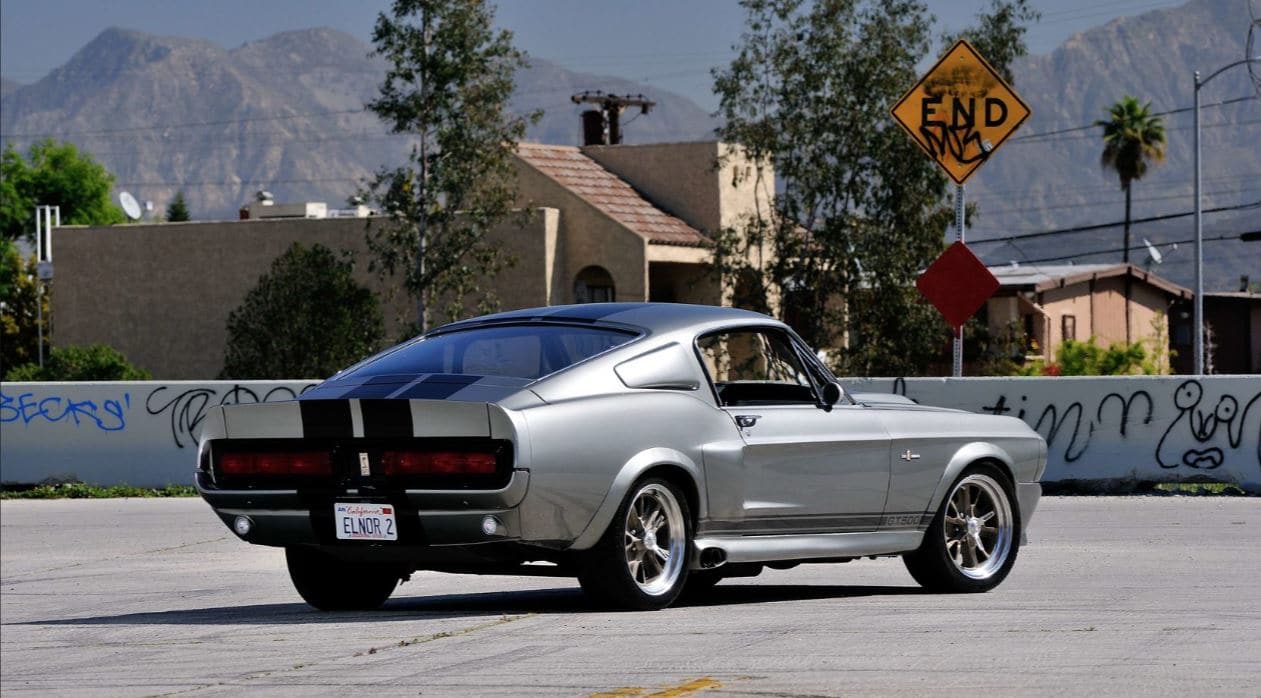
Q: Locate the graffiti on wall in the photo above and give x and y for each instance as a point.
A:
(185, 409)
(1217, 428)
(1204, 433)
(24, 408)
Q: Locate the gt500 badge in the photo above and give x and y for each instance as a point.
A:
(902, 520)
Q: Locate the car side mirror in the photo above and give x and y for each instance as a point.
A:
(832, 393)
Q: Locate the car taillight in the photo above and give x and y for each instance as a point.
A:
(277, 463)
(437, 463)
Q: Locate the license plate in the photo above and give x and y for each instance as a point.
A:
(365, 522)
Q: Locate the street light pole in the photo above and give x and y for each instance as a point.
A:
(1199, 222)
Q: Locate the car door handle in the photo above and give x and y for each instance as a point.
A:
(744, 421)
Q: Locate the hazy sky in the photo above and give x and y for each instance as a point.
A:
(670, 44)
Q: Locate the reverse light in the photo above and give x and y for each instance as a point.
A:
(437, 463)
(275, 463)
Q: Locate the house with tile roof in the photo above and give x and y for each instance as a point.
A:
(1049, 304)
(634, 222)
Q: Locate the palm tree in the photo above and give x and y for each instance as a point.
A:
(1133, 138)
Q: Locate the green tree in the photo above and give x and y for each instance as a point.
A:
(1089, 359)
(177, 210)
(53, 174)
(449, 80)
(860, 211)
(19, 293)
(1133, 139)
(94, 362)
(306, 318)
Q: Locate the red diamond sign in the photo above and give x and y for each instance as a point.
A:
(957, 284)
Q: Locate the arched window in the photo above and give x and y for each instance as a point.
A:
(593, 285)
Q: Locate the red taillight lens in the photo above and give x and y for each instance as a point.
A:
(277, 463)
(437, 463)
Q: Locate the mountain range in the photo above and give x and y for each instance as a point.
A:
(285, 114)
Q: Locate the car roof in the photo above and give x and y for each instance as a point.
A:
(655, 318)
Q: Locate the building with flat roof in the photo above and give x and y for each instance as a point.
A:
(624, 223)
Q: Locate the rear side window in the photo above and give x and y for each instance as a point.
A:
(517, 351)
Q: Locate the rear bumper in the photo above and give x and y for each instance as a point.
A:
(425, 517)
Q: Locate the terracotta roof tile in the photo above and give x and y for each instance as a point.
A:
(609, 193)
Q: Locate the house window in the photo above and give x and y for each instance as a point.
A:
(1068, 328)
(593, 285)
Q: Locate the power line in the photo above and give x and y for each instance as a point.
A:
(1217, 238)
(1179, 110)
(1102, 226)
(1116, 200)
(191, 124)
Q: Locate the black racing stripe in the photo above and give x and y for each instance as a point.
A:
(370, 390)
(326, 418)
(386, 418)
(438, 387)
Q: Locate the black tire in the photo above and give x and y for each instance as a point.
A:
(960, 553)
(330, 584)
(609, 573)
(701, 582)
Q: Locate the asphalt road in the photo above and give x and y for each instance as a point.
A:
(1114, 596)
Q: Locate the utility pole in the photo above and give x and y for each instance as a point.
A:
(46, 218)
(603, 126)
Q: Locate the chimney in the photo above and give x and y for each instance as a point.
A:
(593, 127)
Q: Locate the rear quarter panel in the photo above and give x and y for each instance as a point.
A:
(585, 453)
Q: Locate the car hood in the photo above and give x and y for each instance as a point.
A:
(893, 401)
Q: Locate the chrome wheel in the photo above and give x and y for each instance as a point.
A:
(654, 538)
(977, 526)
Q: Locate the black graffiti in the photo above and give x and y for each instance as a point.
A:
(1215, 430)
(1126, 405)
(999, 407)
(187, 409)
(950, 111)
(1204, 425)
(1057, 423)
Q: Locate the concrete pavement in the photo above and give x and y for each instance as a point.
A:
(1113, 596)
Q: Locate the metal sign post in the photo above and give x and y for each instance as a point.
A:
(959, 113)
(957, 362)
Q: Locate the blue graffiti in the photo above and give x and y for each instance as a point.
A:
(110, 415)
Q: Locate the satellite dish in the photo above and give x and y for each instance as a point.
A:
(1152, 253)
(131, 207)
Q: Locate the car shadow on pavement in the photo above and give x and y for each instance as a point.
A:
(411, 608)
(734, 593)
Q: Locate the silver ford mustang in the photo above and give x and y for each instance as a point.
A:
(647, 449)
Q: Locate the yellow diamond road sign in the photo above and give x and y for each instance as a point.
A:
(961, 111)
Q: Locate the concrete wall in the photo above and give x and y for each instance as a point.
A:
(1133, 428)
(1100, 430)
(137, 433)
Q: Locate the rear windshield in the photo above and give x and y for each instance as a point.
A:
(519, 351)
